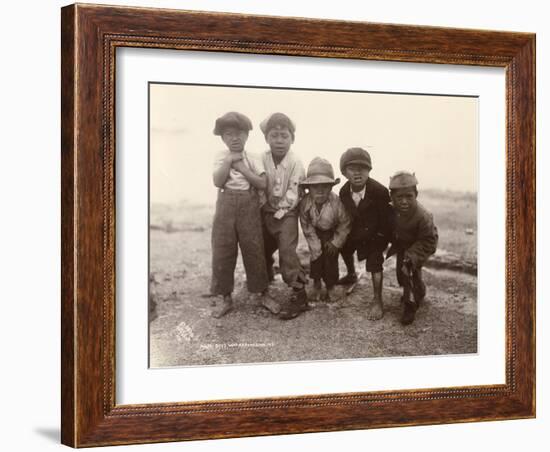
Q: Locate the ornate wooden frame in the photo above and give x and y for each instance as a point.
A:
(90, 35)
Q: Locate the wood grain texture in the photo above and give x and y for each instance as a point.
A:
(67, 226)
(90, 36)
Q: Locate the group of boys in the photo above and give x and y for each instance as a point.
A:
(261, 199)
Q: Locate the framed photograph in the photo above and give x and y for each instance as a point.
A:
(184, 239)
(281, 225)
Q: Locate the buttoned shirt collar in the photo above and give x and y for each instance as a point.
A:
(284, 162)
(359, 195)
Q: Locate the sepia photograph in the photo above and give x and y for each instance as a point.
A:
(292, 224)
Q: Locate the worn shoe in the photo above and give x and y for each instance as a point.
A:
(270, 303)
(295, 306)
(225, 306)
(350, 278)
(409, 312)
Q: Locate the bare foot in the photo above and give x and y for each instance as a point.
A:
(225, 306)
(315, 294)
(333, 295)
(375, 310)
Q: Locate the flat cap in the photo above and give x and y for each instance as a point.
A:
(232, 119)
(357, 156)
(403, 179)
(277, 120)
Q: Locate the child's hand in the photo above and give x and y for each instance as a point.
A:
(330, 249)
(235, 157)
(239, 166)
(279, 214)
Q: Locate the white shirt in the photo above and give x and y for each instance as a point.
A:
(357, 196)
(236, 181)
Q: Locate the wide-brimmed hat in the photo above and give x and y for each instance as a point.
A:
(356, 156)
(279, 120)
(403, 179)
(232, 119)
(320, 171)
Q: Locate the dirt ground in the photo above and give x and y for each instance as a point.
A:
(183, 332)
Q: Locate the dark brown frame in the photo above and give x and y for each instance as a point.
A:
(90, 35)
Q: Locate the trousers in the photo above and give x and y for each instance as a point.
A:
(282, 235)
(237, 223)
(374, 255)
(325, 267)
(411, 283)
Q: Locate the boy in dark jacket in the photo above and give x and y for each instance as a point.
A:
(367, 203)
(414, 241)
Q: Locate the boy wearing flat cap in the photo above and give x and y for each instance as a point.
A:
(414, 241)
(284, 172)
(367, 203)
(325, 224)
(237, 221)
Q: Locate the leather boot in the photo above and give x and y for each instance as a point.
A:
(295, 305)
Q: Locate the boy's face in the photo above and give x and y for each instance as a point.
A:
(404, 199)
(320, 192)
(234, 138)
(279, 140)
(357, 175)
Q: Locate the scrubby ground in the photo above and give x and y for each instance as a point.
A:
(183, 332)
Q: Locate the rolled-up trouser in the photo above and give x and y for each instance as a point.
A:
(325, 267)
(237, 223)
(282, 235)
(418, 288)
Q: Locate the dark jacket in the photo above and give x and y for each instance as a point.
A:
(414, 235)
(371, 219)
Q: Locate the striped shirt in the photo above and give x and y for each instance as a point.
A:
(282, 182)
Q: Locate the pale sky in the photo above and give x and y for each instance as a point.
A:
(434, 136)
